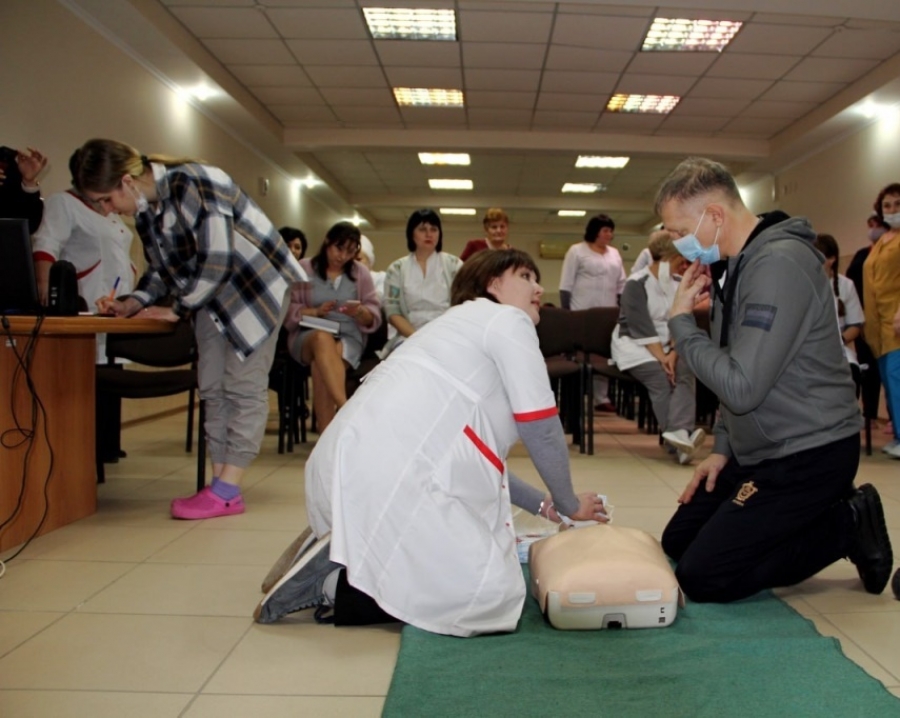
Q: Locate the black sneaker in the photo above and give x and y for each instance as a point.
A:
(301, 587)
(871, 548)
(895, 585)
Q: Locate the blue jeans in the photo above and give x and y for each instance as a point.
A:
(889, 367)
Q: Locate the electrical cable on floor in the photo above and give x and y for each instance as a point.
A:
(28, 435)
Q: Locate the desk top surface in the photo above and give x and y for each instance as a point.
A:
(88, 325)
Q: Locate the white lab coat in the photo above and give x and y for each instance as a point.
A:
(410, 477)
(98, 246)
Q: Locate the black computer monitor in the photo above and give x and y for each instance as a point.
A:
(18, 288)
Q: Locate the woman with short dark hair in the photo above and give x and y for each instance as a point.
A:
(417, 286)
(408, 493)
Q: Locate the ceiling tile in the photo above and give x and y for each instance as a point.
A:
(514, 80)
(433, 116)
(328, 52)
(303, 113)
(583, 120)
(366, 77)
(709, 123)
(579, 82)
(587, 59)
(250, 52)
(562, 101)
(654, 84)
(762, 108)
(827, 69)
(752, 67)
(729, 89)
(622, 122)
(874, 45)
(625, 10)
(672, 63)
(484, 99)
(438, 77)
(504, 55)
(224, 22)
(610, 33)
(288, 95)
(367, 115)
(766, 39)
(504, 26)
(270, 75)
(763, 127)
(802, 91)
(415, 53)
(496, 118)
(701, 107)
(319, 23)
(503, 6)
(206, 3)
(358, 96)
(811, 20)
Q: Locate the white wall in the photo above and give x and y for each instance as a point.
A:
(63, 83)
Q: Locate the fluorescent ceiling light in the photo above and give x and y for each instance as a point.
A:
(428, 97)
(582, 187)
(198, 92)
(445, 158)
(355, 221)
(653, 104)
(397, 23)
(457, 210)
(571, 213)
(450, 184)
(675, 35)
(603, 162)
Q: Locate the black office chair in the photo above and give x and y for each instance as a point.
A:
(559, 335)
(167, 351)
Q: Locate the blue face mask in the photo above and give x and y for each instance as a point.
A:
(690, 248)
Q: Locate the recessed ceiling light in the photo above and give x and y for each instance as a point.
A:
(582, 187)
(450, 184)
(653, 104)
(571, 213)
(397, 23)
(457, 210)
(428, 97)
(445, 158)
(603, 162)
(678, 35)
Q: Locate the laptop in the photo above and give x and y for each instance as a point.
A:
(18, 288)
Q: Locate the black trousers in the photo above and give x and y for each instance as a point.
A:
(773, 524)
(352, 607)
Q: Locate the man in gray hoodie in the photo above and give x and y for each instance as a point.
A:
(774, 503)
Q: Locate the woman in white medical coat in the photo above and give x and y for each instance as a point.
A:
(409, 485)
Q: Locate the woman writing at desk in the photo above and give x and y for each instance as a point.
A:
(212, 248)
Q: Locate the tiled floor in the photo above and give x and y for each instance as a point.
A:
(130, 613)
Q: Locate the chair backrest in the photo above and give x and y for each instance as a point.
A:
(172, 349)
(559, 331)
(597, 326)
(376, 340)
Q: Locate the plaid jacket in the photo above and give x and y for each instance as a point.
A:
(210, 245)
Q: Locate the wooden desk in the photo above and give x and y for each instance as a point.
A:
(62, 370)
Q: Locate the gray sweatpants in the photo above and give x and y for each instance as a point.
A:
(675, 407)
(236, 392)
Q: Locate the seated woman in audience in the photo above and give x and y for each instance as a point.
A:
(641, 346)
(850, 313)
(411, 519)
(881, 289)
(340, 289)
(496, 227)
(417, 286)
(296, 241)
(97, 245)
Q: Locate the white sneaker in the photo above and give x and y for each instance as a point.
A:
(680, 440)
(697, 438)
(684, 457)
(893, 451)
(892, 444)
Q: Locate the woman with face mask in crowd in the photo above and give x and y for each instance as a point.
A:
(641, 345)
(881, 291)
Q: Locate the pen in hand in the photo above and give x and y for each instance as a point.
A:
(112, 293)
